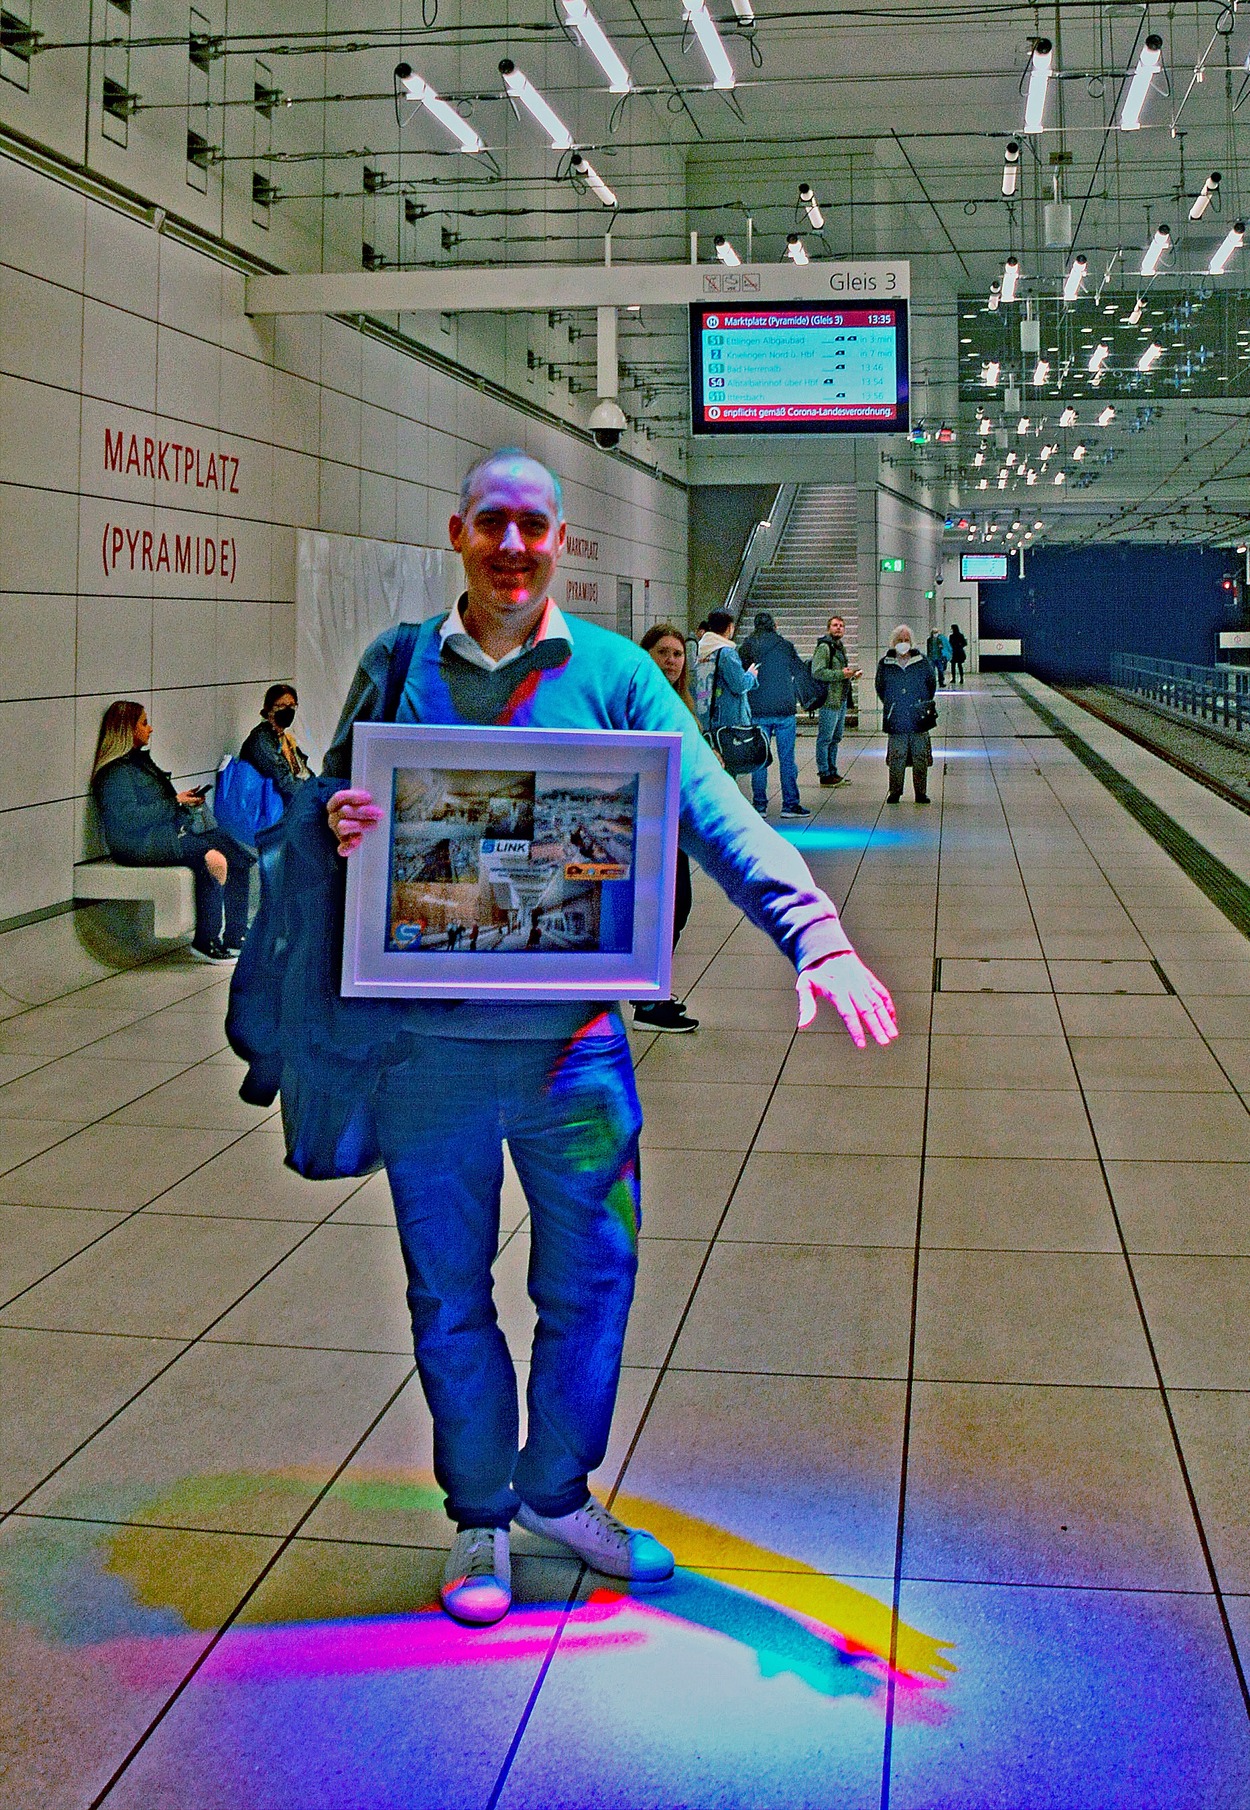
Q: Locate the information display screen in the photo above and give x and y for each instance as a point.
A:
(985, 566)
(798, 368)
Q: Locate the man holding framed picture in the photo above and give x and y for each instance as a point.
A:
(555, 1081)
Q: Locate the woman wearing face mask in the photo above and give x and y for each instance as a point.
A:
(667, 647)
(147, 822)
(907, 685)
(272, 749)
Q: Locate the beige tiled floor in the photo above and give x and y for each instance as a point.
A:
(960, 1327)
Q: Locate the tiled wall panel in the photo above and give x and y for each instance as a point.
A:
(158, 452)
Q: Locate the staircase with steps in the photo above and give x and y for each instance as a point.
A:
(814, 571)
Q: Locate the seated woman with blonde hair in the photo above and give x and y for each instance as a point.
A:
(147, 823)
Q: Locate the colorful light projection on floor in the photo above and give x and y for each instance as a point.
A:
(145, 1594)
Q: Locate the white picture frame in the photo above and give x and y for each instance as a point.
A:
(546, 874)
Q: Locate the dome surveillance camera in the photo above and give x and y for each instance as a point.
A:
(607, 422)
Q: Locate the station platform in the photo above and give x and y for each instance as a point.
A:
(938, 1379)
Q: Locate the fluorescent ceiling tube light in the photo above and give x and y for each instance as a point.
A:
(1040, 72)
(795, 250)
(1011, 276)
(442, 111)
(1099, 356)
(725, 251)
(807, 201)
(989, 373)
(979, 459)
(1011, 167)
(1022, 425)
(1068, 417)
(1107, 415)
(594, 182)
(1205, 196)
(744, 11)
(1148, 64)
(985, 425)
(1078, 452)
(1154, 251)
(588, 29)
(1150, 356)
(1135, 312)
(1031, 478)
(1075, 278)
(1059, 477)
(1041, 372)
(1234, 239)
(700, 22)
(523, 90)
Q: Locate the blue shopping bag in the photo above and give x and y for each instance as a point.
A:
(245, 802)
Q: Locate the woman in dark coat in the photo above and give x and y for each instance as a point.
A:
(147, 823)
(272, 749)
(906, 684)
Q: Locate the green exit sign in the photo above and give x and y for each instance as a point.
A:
(892, 565)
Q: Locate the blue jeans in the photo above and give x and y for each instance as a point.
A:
(571, 1118)
(830, 722)
(782, 727)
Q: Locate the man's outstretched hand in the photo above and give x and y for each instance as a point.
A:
(351, 813)
(858, 997)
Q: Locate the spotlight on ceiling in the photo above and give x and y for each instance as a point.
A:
(807, 201)
(1135, 312)
(1078, 453)
(1148, 65)
(989, 373)
(1107, 415)
(1011, 167)
(521, 89)
(1040, 71)
(996, 296)
(700, 22)
(795, 249)
(1205, 196)
(1011, 277)
(1154, 251)
(1149, 357)
(584, 24)
(439, 109)
(594, 182)
(1099, 356)
(725, 251)
(1041, 373)
(1075, 279)
(1233, 240)
(1068, 417)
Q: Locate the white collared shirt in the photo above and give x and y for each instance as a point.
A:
(551, 627)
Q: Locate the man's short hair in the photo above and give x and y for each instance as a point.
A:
(836, 618)
(504, 455)
(720, 621)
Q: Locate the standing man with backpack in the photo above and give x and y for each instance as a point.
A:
(831, 663)
(774, 703)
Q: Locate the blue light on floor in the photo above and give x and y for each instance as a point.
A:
(823, 838)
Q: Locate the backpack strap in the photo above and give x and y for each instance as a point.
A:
(397, 671)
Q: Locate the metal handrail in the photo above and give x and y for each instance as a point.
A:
(1219, 695)
(762, 542)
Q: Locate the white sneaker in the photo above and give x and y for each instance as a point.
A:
(603, 1542)
(477, 1578)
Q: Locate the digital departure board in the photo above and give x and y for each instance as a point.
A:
(983, 566)
(795, 368)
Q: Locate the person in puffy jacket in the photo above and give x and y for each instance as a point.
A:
(148, 823)
(721, 680)
(907, 685)
(272, 749)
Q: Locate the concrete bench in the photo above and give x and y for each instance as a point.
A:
(171, 890)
